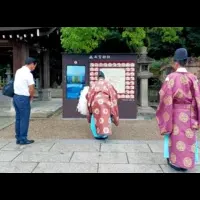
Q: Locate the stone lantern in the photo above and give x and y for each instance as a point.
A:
(6, 104)
(8, 73)
(143, 74)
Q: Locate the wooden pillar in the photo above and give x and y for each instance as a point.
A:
(24, 53)
(41, 71)
(46, 71)
(16, 56)
(45, 92)
(20, 53)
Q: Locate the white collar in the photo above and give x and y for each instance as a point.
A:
(181, 69)
(25, 67)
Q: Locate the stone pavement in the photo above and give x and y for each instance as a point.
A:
(40, 109)
(5, 122)
(84, 156)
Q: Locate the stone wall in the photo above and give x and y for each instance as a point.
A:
(195, 69)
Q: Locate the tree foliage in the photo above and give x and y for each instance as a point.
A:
(134, 36)
(167, 34)
(164, 41)
(82, 39)
(161, 41)
(191, 37)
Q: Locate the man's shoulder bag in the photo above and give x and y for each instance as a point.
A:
(8, 89)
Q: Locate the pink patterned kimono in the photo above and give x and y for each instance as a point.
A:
(179, 114)
(102, 103)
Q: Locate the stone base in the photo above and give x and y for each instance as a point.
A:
(44, 95)
(39, 109)
(6, 103)
(55, 93)
(146, 112)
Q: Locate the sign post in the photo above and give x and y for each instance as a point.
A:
(82, 70)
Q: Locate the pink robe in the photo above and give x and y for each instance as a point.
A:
(102, 103)
(179, 114)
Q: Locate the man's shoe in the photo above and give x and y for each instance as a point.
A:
(25, 142)
(17, 142)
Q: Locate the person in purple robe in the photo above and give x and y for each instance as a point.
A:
(178, 114)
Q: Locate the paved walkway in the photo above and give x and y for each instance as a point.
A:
(5, 122)
(84, 156)
(40, 109)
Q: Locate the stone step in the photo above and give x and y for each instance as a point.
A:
(40, 109)
(5, 102)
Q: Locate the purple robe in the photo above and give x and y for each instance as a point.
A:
(179, 114)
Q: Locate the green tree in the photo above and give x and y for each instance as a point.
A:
(134, 37)
(82, 39)
(167, 34)
(87, 39)
(164, 41)
(191, 36)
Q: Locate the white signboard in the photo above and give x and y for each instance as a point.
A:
(116, 77)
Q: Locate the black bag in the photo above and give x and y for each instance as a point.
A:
(8, 89)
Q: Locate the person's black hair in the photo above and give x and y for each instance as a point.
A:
(101, 75)
(30, 60)
(182, 63)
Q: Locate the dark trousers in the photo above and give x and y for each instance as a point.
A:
(22, 109)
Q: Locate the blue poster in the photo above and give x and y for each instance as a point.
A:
(75, 82)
